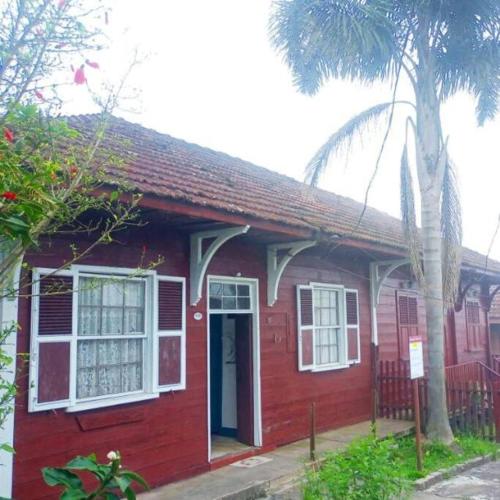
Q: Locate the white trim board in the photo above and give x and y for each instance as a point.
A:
(8, 316)
(254, 311)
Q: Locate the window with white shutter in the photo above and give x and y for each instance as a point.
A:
(104, 336)
(328, 327)
(51, 340)
(352, 326)
(305, 327)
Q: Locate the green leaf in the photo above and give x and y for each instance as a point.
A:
(55, 476)
(83, 463)
(135, 477)
(108, 495)
(7, 448)
(123, 482)
(129, 492)
(74, 494)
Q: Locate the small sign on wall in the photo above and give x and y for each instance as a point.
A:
(416, 357)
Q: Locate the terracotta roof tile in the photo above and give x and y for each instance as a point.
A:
(162, 165)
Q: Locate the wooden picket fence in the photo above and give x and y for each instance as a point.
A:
(472, 391)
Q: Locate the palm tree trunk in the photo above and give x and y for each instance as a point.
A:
(430, 157)
(438, 426)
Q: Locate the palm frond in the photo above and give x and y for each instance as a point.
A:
(467, 52)
(342, 139)
(408, 217)
(360, 43)
(451, 232)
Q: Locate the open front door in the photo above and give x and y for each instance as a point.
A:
(244, 378)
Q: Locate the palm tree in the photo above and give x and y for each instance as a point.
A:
(439, 46)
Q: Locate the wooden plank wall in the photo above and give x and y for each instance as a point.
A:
(166, 439)
(388, 328)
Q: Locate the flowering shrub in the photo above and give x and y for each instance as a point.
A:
(114, 481)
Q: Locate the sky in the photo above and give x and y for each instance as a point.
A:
(209, 74)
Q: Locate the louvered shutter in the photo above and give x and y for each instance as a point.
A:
(51, 340)
(473, 325)
(170, 333)
(407, 306)
(305, 327)
(352, 326)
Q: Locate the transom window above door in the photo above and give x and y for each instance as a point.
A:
(229, 296)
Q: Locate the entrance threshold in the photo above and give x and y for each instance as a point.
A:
(224, 445)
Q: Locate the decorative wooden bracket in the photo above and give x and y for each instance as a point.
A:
(276, 264)
(200, 258)
(379, 271)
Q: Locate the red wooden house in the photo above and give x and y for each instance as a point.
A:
(265, 302)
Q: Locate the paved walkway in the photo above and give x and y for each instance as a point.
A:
(480, 483)
(278, 469)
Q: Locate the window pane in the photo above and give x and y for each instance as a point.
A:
(229, 303)
(88, 320)
(215, 289)
(112, 321)
(327, 347)
(112, 293)
(134, 321)
(243, 291)
(108, 367)
(134, 293)
(229, 290)
(244, 303)
(215, 303)
(89, 292)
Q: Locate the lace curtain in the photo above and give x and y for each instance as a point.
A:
(109, 309)
(326, 321)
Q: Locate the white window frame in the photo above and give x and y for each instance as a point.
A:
(343, 353)
(151, 389)
(230, 281)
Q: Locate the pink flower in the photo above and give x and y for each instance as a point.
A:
(40, 95)
(79, 78)
(92, 64)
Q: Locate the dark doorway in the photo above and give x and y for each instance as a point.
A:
(231, 376)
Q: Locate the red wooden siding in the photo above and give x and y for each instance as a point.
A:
(165, 439)
(389, 331)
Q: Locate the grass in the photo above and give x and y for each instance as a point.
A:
(438, 456)
(371, 469)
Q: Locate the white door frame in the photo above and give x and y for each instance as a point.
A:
(254, 311)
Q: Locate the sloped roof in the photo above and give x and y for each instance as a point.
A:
(171, 168)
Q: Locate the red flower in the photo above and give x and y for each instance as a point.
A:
(8, 134)
(92, 64)
(9, 195)
(73, 170)
(79, 78)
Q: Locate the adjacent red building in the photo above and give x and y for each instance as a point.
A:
(264, 301)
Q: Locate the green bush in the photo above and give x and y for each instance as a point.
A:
(364, 471)
(114, 482)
